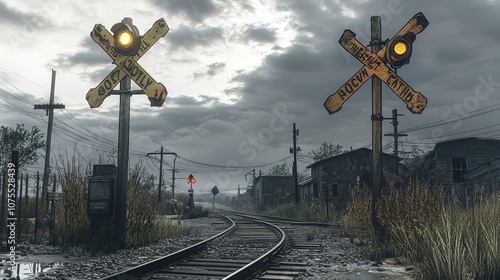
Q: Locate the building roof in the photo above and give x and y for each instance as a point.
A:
(466, 139)
(346, 154)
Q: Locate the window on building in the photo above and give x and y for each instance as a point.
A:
(335, 190)
(459, 169)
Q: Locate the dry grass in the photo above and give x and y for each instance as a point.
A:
(74, 227)
(446, 241)
(307, 210)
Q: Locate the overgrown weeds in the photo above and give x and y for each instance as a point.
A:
(446, 241)
(144, 221)
(307, 210)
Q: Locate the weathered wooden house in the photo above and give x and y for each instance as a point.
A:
(459, 156)
(332, 178)
(274, 190)
(483, 180)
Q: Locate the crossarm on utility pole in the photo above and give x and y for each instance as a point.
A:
(161, 153)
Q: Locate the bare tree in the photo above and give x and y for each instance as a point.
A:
(280, 170)
(326, 150)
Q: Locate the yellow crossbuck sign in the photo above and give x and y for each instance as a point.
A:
(374, 64)
(127, 65)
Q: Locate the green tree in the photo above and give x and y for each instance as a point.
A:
(326, 150)
(423, 168)
(283, 169)
(27, 142)
(304, 175)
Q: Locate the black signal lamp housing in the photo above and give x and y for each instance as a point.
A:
(399, 50)
(126, 38)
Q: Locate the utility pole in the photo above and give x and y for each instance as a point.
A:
(238, 194)
(161, 153)
(49, 108)
(376, 34)
(396, 135)
(173, 178)
(123, 150)
(253, 183)
(294, 168)
(161, 171)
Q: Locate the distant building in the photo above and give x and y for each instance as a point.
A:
(460, 156)
(332, 178)
(483, 180)
(274, 190)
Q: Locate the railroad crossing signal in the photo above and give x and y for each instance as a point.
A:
(397, 53)
(126, 47)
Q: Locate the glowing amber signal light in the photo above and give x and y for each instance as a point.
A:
(399, 50)
(127, 39)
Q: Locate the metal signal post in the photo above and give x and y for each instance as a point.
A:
(191, 180)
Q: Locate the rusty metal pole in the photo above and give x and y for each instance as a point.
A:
(376, 34)
(122, 166)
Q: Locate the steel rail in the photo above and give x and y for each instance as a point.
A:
(288, 220)
(250, 268)
(157, 264)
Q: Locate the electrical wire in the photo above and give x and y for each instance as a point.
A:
(453, 119)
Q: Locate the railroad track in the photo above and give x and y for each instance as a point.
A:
(298, 240)
(243, 247)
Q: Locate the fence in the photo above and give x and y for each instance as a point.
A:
(34, 208)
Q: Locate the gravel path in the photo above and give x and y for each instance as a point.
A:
(339, 259)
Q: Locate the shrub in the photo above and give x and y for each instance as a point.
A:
(73, 226)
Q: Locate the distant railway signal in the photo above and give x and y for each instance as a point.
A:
(190, 179)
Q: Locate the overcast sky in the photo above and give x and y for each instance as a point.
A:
(240, 73)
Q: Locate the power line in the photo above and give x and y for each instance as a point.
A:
(236, 167)
(6, 70)
(453, 119)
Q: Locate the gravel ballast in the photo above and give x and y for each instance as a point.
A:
(339, 258)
